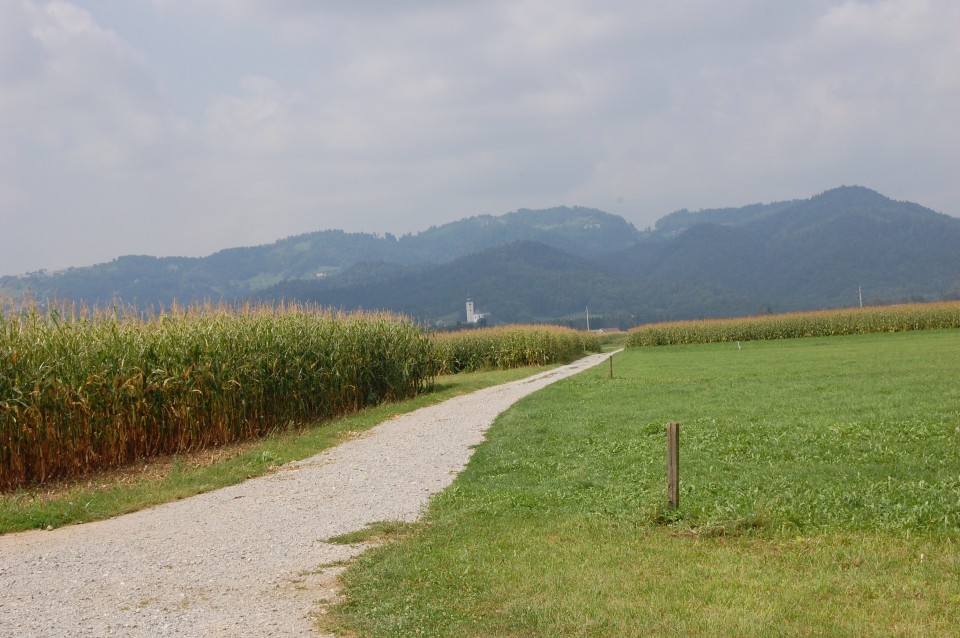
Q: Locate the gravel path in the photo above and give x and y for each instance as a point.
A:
(247, 560)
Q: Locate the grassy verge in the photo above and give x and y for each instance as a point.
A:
(105, 494)
(820, 496)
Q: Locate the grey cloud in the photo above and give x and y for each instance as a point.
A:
(284, 117)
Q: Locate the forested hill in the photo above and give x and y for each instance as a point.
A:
(549, 265)
(237, 272)
(810, 254)
(520, 282)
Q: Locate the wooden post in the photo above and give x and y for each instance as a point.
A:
(611, 366)
(673, 464)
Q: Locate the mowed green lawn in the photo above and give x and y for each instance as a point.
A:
(820, 496)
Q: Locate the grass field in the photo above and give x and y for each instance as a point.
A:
(820, 496)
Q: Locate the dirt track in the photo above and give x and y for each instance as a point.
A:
(247, 560)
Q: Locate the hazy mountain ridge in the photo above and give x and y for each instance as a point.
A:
(548, 265)
(519, 282)
(242, 271)
(673, 224)
(813, 253)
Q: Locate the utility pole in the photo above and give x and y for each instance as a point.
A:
(588, 318)
(860, 295)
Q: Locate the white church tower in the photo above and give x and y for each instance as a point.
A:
(472, 315)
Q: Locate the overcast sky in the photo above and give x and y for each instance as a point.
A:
(180, 127)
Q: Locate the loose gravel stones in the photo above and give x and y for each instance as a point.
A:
(246, 560)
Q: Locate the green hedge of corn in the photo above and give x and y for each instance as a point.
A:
(511, 347)
(809, 324)
(83, 390)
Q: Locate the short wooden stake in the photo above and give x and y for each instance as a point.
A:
(673, 464)
(611, 366)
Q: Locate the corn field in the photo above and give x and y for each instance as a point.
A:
(511, 347)
(82, 390)
(808, 324)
